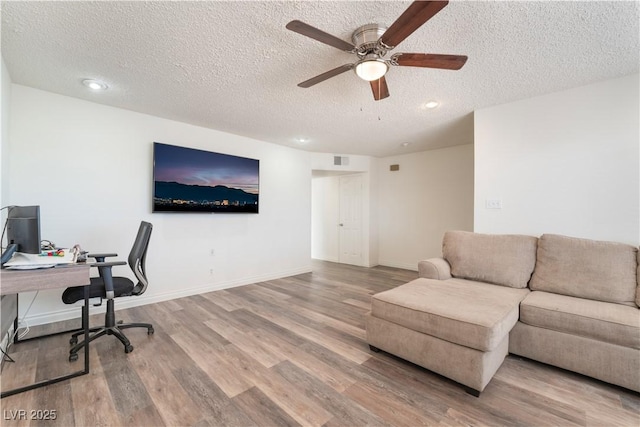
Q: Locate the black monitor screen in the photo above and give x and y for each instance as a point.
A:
(23, 228)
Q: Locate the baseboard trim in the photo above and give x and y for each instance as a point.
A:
(72, 311)
(405, 266)
(330, 259)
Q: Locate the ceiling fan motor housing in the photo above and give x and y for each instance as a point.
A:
(366, 39)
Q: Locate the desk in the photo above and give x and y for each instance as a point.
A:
(17, 281)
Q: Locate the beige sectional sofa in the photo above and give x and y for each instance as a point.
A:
(564, 301)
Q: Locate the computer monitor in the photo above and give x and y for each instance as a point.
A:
(23, 228)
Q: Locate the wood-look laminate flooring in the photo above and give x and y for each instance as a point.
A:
(288, 352)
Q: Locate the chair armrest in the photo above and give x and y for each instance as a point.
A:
(434, 268)
(104, 268)
(107, 264)
(101, 257)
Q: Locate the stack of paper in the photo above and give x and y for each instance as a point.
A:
(22, 261)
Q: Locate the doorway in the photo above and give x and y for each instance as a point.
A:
(337, 217)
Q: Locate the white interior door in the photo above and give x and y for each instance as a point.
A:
(350, 219)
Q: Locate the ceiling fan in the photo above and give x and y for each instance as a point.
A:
(371, 43)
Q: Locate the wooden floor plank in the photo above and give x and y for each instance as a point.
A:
(285, 394)
(388, 407)
(214, 406)
(169, 397)
(288, 352)
(213, 362)
(92, 402)
(344, 411)
(325, 372)
(262, 410)
(128, 392)
(305, 328)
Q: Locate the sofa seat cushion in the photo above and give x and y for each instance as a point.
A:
(473, 314)
(603, 321)
(501, 259)
(597, 270)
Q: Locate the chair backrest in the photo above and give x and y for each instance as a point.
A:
(138, 255)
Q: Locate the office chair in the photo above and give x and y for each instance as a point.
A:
(108, 287)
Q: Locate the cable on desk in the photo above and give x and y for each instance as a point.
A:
(5, 356)
(27, 328)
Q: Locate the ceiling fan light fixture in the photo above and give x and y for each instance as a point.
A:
(371, 68)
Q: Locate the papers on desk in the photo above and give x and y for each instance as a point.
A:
(22, 261)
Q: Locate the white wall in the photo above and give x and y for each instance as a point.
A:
(565, 163)
(430, 194)
(89, 167)
(5, 91)
(9, 302)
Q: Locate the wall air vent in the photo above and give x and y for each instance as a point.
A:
(340, 161)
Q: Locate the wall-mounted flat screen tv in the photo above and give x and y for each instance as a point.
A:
(191, 180)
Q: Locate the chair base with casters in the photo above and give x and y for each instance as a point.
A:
(111, 327)
(109, 287)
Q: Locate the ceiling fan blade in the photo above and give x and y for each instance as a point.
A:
(380, 89)
(316, 34)
(324, 76)
(417, 14)
(428, 60)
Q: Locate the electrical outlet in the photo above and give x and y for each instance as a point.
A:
(211, 272)
(493, 204)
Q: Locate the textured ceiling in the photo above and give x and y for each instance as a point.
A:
(233, 66)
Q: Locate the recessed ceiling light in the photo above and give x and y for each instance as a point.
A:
(95, 84)
(431, 104)
(405, 144)
(302, 141)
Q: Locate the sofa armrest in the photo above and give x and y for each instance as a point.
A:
(434, 268)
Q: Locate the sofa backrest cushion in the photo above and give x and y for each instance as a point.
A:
(597, 270)
(501, 259)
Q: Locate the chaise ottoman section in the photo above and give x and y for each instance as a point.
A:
(470, 367)
(458, 328)
(472, 314)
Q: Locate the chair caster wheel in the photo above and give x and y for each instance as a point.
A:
(128, 349)
(150, 331)
(73, 357)
(120, 322)
(73, 341)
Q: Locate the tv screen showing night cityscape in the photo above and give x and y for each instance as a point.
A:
(191, 180)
